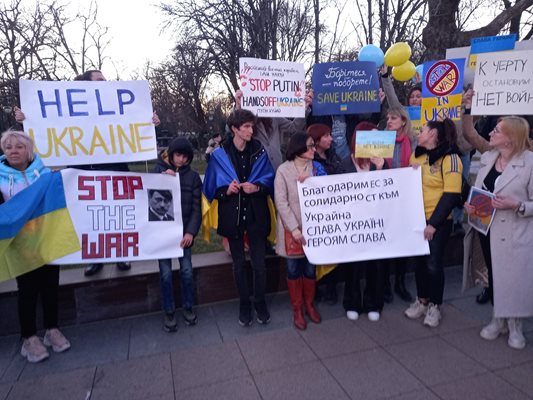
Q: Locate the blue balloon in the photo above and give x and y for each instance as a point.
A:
(372, 53)
(419, 70)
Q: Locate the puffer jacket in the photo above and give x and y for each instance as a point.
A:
(13, 181)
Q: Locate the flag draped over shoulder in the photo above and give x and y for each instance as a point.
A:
(219, 173)
(35, 227)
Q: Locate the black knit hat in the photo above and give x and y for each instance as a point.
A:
(180, 146)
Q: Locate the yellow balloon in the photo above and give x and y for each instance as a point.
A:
(404, 72)
(397, 54)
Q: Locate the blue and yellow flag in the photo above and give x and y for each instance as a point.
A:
(219, 173)
(35, 227)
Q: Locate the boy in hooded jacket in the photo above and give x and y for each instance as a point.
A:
(177, 160)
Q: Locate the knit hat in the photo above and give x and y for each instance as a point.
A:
(180, 146)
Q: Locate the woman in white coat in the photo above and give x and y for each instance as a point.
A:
(507, 171)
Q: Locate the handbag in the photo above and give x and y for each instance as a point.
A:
(292, 247)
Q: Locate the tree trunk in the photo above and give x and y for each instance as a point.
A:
(442, 33)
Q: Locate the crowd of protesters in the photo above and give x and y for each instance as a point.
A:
(247, 173)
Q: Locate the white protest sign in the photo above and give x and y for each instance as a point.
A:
(363, 216)
(272, 88)
(464, 52)
(79, 122)
(503, 83)
(123, 216)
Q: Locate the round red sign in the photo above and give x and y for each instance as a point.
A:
(442, 78)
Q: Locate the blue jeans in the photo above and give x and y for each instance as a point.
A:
(186, 280)
(298, 267)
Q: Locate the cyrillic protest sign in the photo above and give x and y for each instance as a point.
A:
(363, 216)
(503, 83)
(272, 88)
(375, 144)
(79, 122)
(123, 216)
(442, 89)
(345, 88)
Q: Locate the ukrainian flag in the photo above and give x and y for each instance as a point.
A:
(35, 227)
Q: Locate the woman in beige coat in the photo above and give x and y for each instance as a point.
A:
(507, 171)
(301, 274)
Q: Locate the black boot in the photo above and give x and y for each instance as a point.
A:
(484, 296)
(93, 269)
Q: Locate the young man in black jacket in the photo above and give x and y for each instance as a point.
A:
(177, 161)
(240, 177)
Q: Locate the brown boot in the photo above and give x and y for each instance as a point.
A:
(309, 295)
(296, 293)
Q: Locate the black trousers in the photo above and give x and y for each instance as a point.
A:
(43, 281)
(257, 256)
(485, 248)
(371, 299)
(429, 270)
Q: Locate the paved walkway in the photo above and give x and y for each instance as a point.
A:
(395, 358)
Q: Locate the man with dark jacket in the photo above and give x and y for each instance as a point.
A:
(177, 159)
(240, 177)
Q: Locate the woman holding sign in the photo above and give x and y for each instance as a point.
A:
(289, 238)
(398, 120)
(19, 168)
(438, 156)
(507, 171)
(370, 300)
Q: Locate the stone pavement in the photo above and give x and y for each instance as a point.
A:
(395, 358)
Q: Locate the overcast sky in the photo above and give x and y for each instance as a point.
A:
(135, 33)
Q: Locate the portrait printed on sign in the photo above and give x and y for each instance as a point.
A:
(160, 205)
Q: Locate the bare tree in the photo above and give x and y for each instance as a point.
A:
(442, 30)
(229, 30)
(179, 85)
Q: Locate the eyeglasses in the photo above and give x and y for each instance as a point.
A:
(496, 130)
(311, 146)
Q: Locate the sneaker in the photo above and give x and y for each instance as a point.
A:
(373, 316)
(122, 266)
(169, 323)
(34, 350)
(54, 338)
(245, 314)
(189, 317)
(263, 316)
(433, 316)
(416, 310)
(352, 315)
(496, 328)
(516, 337)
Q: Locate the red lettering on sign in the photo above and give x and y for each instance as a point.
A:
(110, 245)
(122, 187)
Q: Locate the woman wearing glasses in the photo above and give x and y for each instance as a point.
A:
(289, 238)
(507, 171)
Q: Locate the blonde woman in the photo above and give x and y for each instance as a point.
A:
(507, 171)
(19, 168)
